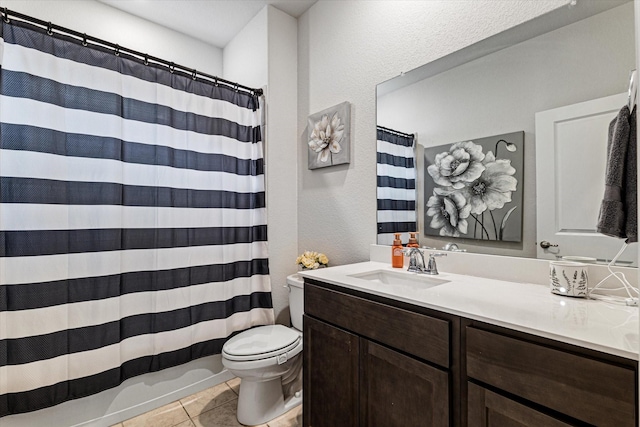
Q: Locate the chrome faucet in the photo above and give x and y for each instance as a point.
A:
(417, 264)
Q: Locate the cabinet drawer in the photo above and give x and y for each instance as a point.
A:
(589, 390)
(417, 334)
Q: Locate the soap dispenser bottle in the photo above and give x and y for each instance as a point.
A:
(397, 256)
(413, 241)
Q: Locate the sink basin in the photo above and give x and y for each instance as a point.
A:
(388, 277)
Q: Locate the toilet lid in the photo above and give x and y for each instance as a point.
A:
(261, 342)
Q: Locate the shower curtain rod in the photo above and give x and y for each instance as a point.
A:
(5, 13)
(397, 132)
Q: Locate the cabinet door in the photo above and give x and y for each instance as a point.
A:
(489, 409)
(397, 390)
(593, 391)
(330, 375)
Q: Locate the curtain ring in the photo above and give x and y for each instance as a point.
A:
(117, 50)
(49, 29)
(146, 59)
(6, 15)
(172, 67)
(236, 87)
(193, 75)
(215, 81)
(84, 39)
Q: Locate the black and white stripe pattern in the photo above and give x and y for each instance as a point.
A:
(133, 230)
(396, 188)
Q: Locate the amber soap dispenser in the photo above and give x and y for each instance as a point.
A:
(413, 241)
(397, 256)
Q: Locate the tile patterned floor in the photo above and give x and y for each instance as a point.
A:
(214, 407)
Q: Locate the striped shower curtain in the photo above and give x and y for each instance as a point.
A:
(133, 229)
(396, 185)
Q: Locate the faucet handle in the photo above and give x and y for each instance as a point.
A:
(432, 268)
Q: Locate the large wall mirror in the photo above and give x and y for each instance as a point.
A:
(530, 106)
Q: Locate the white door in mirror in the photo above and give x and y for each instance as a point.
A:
(571, 143)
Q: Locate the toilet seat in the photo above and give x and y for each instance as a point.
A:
(262, 342)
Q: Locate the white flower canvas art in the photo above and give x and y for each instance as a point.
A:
(473, 188)
(328, 137)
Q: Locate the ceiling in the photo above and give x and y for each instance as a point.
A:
(213, 21)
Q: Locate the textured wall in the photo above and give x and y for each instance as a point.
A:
(281, 156)
(345, 48)
(110, 24)
(245, 57)
(263, 54)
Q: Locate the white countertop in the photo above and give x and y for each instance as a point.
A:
(532, 308)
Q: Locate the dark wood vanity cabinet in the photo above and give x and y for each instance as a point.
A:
(367, 363)
(372, 361)
(524, 379)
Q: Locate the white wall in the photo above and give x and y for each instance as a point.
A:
(281, 156)
(143, 393)
(245, 57)
(344, 49)
(110, 24)
(264, 53)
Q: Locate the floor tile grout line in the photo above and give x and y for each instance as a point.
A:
(185, 410)
(193, 419)
(215, 407)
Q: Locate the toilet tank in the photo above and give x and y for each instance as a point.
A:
(296, 300)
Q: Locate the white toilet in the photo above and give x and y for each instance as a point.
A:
(268, 359)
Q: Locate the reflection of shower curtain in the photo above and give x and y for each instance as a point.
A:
(396, 176)
(132, 218)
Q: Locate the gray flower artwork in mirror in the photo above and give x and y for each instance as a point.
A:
(329, 137)
(473, 188)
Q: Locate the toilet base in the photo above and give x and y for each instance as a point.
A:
(261, 401)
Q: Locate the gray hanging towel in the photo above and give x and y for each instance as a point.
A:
(619, 210)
